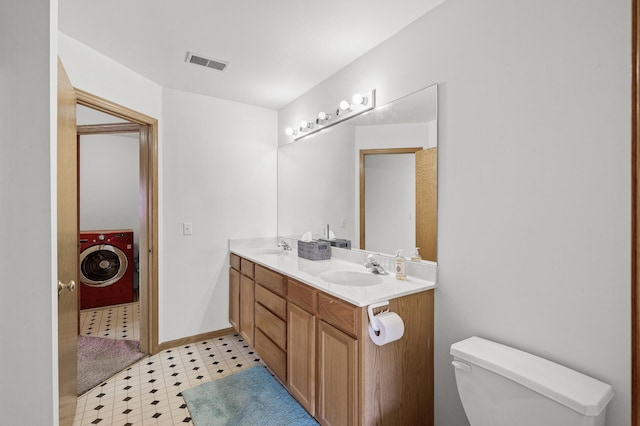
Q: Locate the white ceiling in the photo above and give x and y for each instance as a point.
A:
(278, 49)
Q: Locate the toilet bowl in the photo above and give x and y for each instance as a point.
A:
(503, 386)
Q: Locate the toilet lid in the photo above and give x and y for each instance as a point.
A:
(577, 391)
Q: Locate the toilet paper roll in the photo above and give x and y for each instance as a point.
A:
(391, 328)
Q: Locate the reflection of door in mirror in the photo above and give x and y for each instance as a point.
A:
(398, 201)
(387, 200)
(427, 203)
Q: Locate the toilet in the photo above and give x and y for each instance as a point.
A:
(503, 386)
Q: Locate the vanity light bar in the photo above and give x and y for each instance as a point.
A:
(359, 103)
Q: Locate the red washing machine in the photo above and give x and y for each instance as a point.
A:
(106, 268)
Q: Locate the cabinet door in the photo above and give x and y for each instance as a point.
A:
(337, 377)
(301, 360)
(247, 313)
(234, 299)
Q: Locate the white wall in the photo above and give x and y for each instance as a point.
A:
(109, 183)
(314, 184)
(534, 178)
(407, 135)
(99, 75)
(28, 340)
(220, 174)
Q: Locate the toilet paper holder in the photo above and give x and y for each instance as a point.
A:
(372, 321)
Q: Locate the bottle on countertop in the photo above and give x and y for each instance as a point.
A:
(400, 266)
(416, 256)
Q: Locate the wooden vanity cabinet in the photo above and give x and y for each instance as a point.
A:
(234, 298)
(397, 378)
(356, 381)
(247, 301)
(338, 361)
(271, 320)
(318, 346)
(301, 341)
(337, 376)
(323, 363)
(234, 291)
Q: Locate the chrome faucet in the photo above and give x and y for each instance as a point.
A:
(284, 245)
(373, 265)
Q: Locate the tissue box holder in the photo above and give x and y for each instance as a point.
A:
(314, 250)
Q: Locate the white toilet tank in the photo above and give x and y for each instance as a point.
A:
(503, 386)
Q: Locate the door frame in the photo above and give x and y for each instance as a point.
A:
(635, 213)
(363, 155)
(148, 243)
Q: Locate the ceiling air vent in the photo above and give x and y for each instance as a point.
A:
(216, 64)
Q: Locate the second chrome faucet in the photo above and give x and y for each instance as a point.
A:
(374, 266)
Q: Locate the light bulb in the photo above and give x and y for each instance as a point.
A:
(323, 116)
(289, 131)
(345, 105)
(305, 125)
(358, 99)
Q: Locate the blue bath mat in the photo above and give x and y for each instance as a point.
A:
(248, 397)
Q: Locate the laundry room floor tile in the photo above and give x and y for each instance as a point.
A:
(120, 322)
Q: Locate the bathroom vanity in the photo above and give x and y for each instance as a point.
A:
(313, 335)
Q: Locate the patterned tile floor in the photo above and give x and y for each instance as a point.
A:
(149, 392)
(112, 322)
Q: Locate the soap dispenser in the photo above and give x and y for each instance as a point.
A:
(400, 266)
(416, 256)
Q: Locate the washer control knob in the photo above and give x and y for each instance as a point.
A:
(101, 237)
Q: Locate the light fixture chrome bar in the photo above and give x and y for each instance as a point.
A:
(346, 109)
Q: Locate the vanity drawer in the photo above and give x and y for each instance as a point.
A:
(270, 280)
(272, 355)
(302, 295)
(272, 326)
(341, 315)
(235, 261)
(273, 302)
(246, 267)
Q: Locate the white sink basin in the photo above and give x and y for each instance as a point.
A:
(351, 278)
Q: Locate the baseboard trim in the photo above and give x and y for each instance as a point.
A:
(194, 339)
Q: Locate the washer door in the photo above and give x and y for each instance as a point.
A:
(102, 265)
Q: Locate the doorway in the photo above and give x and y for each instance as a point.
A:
(387, 200)
(147, 260)
(401, 184)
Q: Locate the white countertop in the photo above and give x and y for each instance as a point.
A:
(308, 271)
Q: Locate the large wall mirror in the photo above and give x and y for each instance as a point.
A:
(372, 179)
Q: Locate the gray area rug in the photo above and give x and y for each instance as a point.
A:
(248, 397)
(100, 359)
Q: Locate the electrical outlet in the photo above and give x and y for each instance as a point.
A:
(343, 222)
(187, 228)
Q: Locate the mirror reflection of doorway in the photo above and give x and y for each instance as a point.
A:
(398, 201)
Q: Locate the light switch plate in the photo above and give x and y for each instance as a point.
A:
(187, 228)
